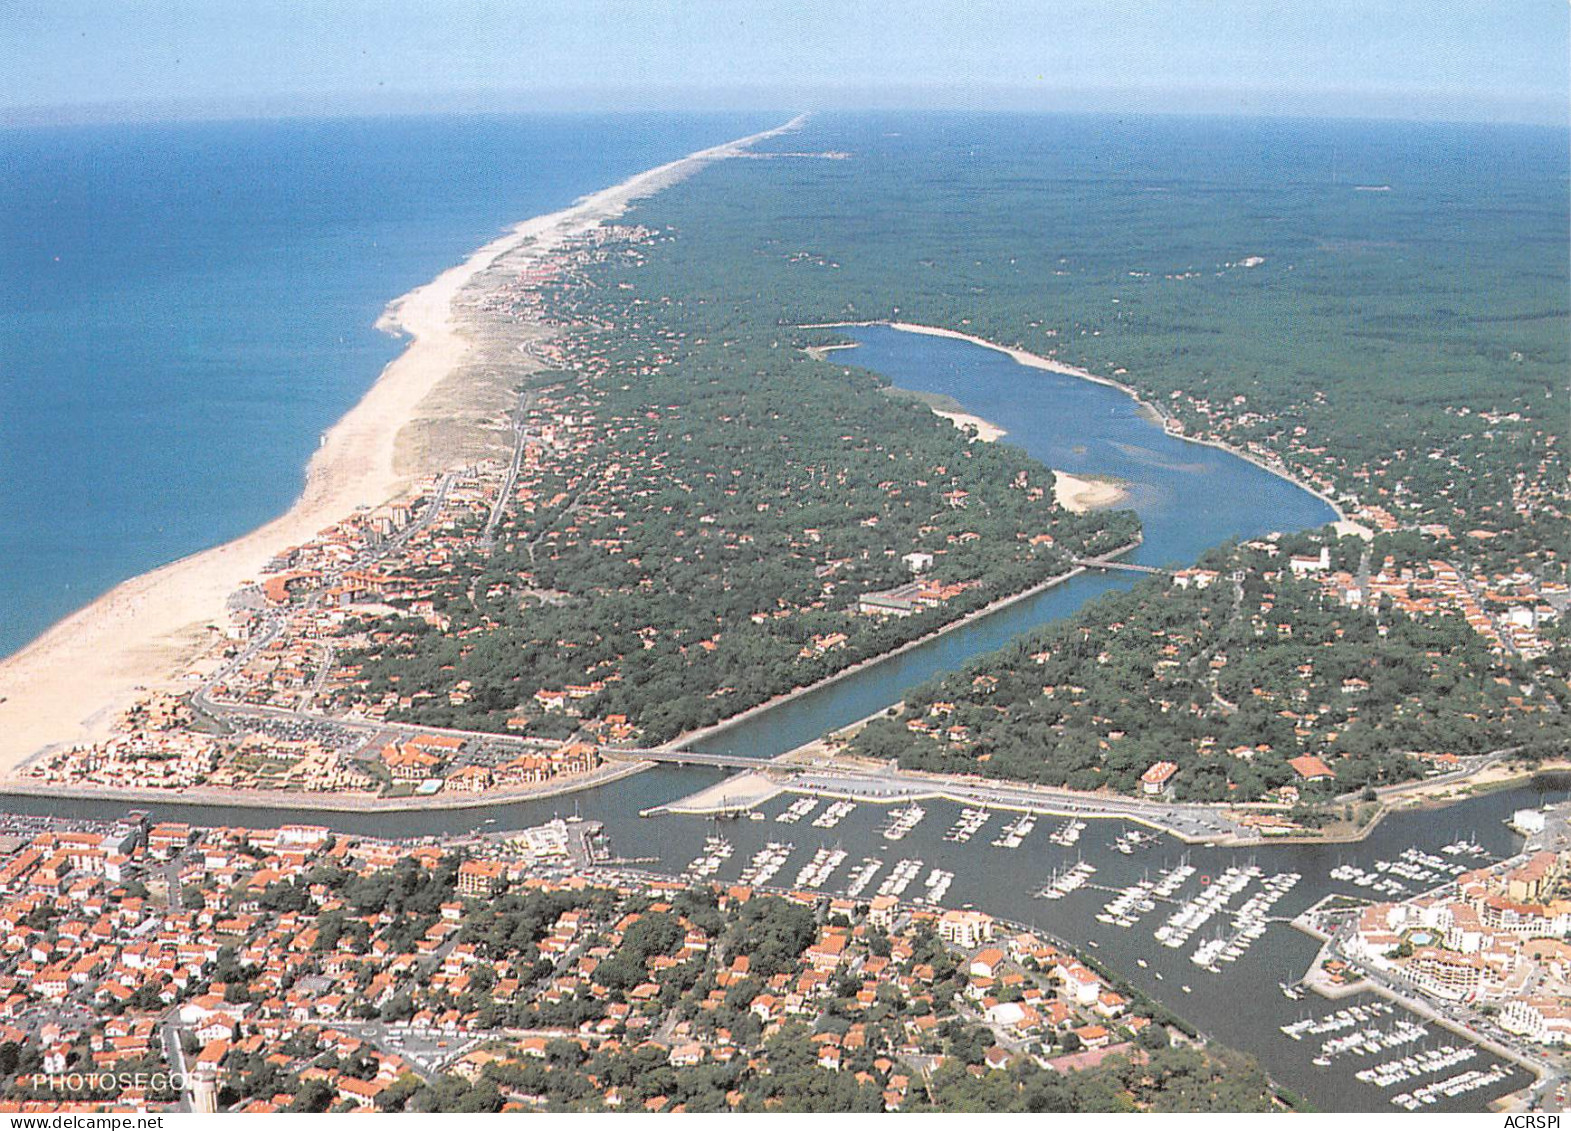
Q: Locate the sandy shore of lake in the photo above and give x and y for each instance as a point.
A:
(1037, 361)
(1081, 493)
(986, 431)
(68, 686)
(1075, 493)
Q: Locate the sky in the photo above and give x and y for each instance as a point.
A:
(1462, 60)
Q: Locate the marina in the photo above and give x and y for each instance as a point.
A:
(1250, 923)
(1133, 840)
(1335, 1022)
(832, 816)
(900, 877)
(1212, 900)
(1015, 832)
(717, 850)
(902, 821)
(817, 871)
(1068, 833)
(798, 809)
(1125, 908)
(1412, 871)
(1451, 1087)
(1467, 847)
(1371, 1041)
(937, 885)
(969, 824)
(1070, 880)
(1220, 902)
(1390, 1073)
(857, 883)
(1166, 875)
(766, 862)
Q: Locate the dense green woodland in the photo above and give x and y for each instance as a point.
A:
(735, 498)
(1366, 348)
(1374, 321)
(1406, 345)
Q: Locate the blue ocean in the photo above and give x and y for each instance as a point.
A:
(185, 308)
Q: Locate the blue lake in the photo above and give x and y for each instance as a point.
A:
(1189, 496)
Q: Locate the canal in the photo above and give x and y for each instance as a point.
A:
(1190, 497)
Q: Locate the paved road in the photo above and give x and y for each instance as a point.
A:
(522, 433)
(169, 1031)
(1192, 822)
(695, 758)
(1472, 765)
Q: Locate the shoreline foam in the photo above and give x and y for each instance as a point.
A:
(67, 686)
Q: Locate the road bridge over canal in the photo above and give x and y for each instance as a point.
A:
(694, 758)
(1109, 563)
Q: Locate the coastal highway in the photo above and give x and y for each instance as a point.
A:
(522, 433)
(1468, 767)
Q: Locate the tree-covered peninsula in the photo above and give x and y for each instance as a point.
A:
(706, 516)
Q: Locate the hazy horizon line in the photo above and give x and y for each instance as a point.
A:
(1439, 108)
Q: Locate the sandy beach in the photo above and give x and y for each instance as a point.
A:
(986, 431)
(1080, 493)
(1037, 361)
(67, 687)
(1075, 493)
